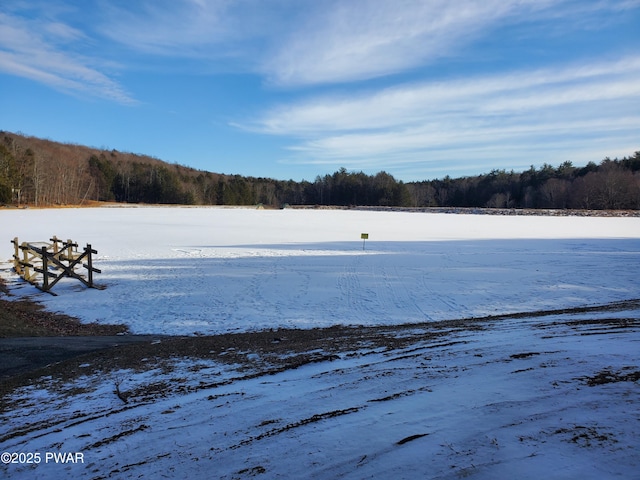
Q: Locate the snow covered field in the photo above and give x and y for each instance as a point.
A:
(211, 270)
(529, 396)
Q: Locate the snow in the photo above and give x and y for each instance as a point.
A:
(508, 398)
(210, 270)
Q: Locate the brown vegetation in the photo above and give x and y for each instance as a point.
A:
(23, 318)
(41, 172)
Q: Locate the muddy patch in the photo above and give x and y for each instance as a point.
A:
(626, 374)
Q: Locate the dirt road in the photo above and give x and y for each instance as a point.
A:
(24, 354)
(20, 355)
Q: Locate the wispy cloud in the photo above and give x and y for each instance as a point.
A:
(294, 43)
(170, 28)
(408, 104)
(41, 50)
(359, 40)
(234, 34)
(492, 114)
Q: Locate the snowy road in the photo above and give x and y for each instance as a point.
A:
(555, 396)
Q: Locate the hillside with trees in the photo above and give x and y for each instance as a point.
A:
(41, 172)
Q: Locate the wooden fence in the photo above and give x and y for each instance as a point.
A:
(52, 262)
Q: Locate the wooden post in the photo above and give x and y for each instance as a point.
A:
(16, 256)
(55, 241)
(89, 264)
(25, 264)
(45, 270)
(88, 252)
(69, 249)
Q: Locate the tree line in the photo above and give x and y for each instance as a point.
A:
(612, 184)
(41, 172)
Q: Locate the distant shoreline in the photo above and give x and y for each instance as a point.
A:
(449, 210)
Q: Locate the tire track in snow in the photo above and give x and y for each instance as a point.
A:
(452, 307)
(403, 295)
(361, 304)
(409, 389)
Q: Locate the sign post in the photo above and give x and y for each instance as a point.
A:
(364, 237)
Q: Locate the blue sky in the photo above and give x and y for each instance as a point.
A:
(291, 89)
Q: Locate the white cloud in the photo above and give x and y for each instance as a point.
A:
(32, 49)
(358, 40)
(563, 109)
(231, 31)
(414, 103)
(168, 28)
(294, 43)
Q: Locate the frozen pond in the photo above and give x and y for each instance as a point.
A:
(210, 270)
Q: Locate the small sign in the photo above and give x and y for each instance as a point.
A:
(364, 237)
